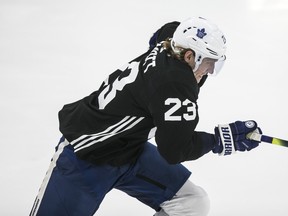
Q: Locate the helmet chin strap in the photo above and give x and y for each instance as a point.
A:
(196, 67)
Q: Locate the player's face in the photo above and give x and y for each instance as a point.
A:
(206, 67)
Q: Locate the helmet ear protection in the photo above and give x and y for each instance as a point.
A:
(204, 38)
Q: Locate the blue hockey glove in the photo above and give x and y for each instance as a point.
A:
(232, 137)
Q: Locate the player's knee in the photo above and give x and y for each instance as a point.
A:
(190, 200)
(196, 202)
(199, 204)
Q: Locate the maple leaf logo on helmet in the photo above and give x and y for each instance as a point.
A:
(201, 33)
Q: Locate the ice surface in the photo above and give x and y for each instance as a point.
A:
(55, 52)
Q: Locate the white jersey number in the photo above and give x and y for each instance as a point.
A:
(110, 90)
(189, 115)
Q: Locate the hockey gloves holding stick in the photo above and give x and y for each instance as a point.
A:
(232, 137)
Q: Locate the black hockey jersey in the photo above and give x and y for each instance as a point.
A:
(153, 95)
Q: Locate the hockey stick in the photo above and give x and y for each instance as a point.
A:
(268, 139)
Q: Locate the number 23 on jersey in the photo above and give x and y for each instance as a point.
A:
(189, 114)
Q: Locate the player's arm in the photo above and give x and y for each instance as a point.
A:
(175, 113)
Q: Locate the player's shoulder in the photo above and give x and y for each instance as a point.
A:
(176, 70)
(162, 68)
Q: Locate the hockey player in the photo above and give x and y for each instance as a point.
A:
(105, 135)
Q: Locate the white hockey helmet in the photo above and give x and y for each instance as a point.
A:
(204, 38)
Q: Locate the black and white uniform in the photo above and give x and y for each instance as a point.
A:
(105, 141)
(153, 94)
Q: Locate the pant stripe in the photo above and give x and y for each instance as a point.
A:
(47, 177)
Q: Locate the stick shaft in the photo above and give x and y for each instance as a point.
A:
(268, 139)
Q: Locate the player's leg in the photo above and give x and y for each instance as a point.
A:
(73, 187)
(162, 186)
(190, 200)
(62, 190)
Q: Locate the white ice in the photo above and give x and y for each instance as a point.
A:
(55, 52)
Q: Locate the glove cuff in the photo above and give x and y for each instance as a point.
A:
(226, 138)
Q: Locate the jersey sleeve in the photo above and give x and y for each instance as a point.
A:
(175, 113)
(166, 31)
